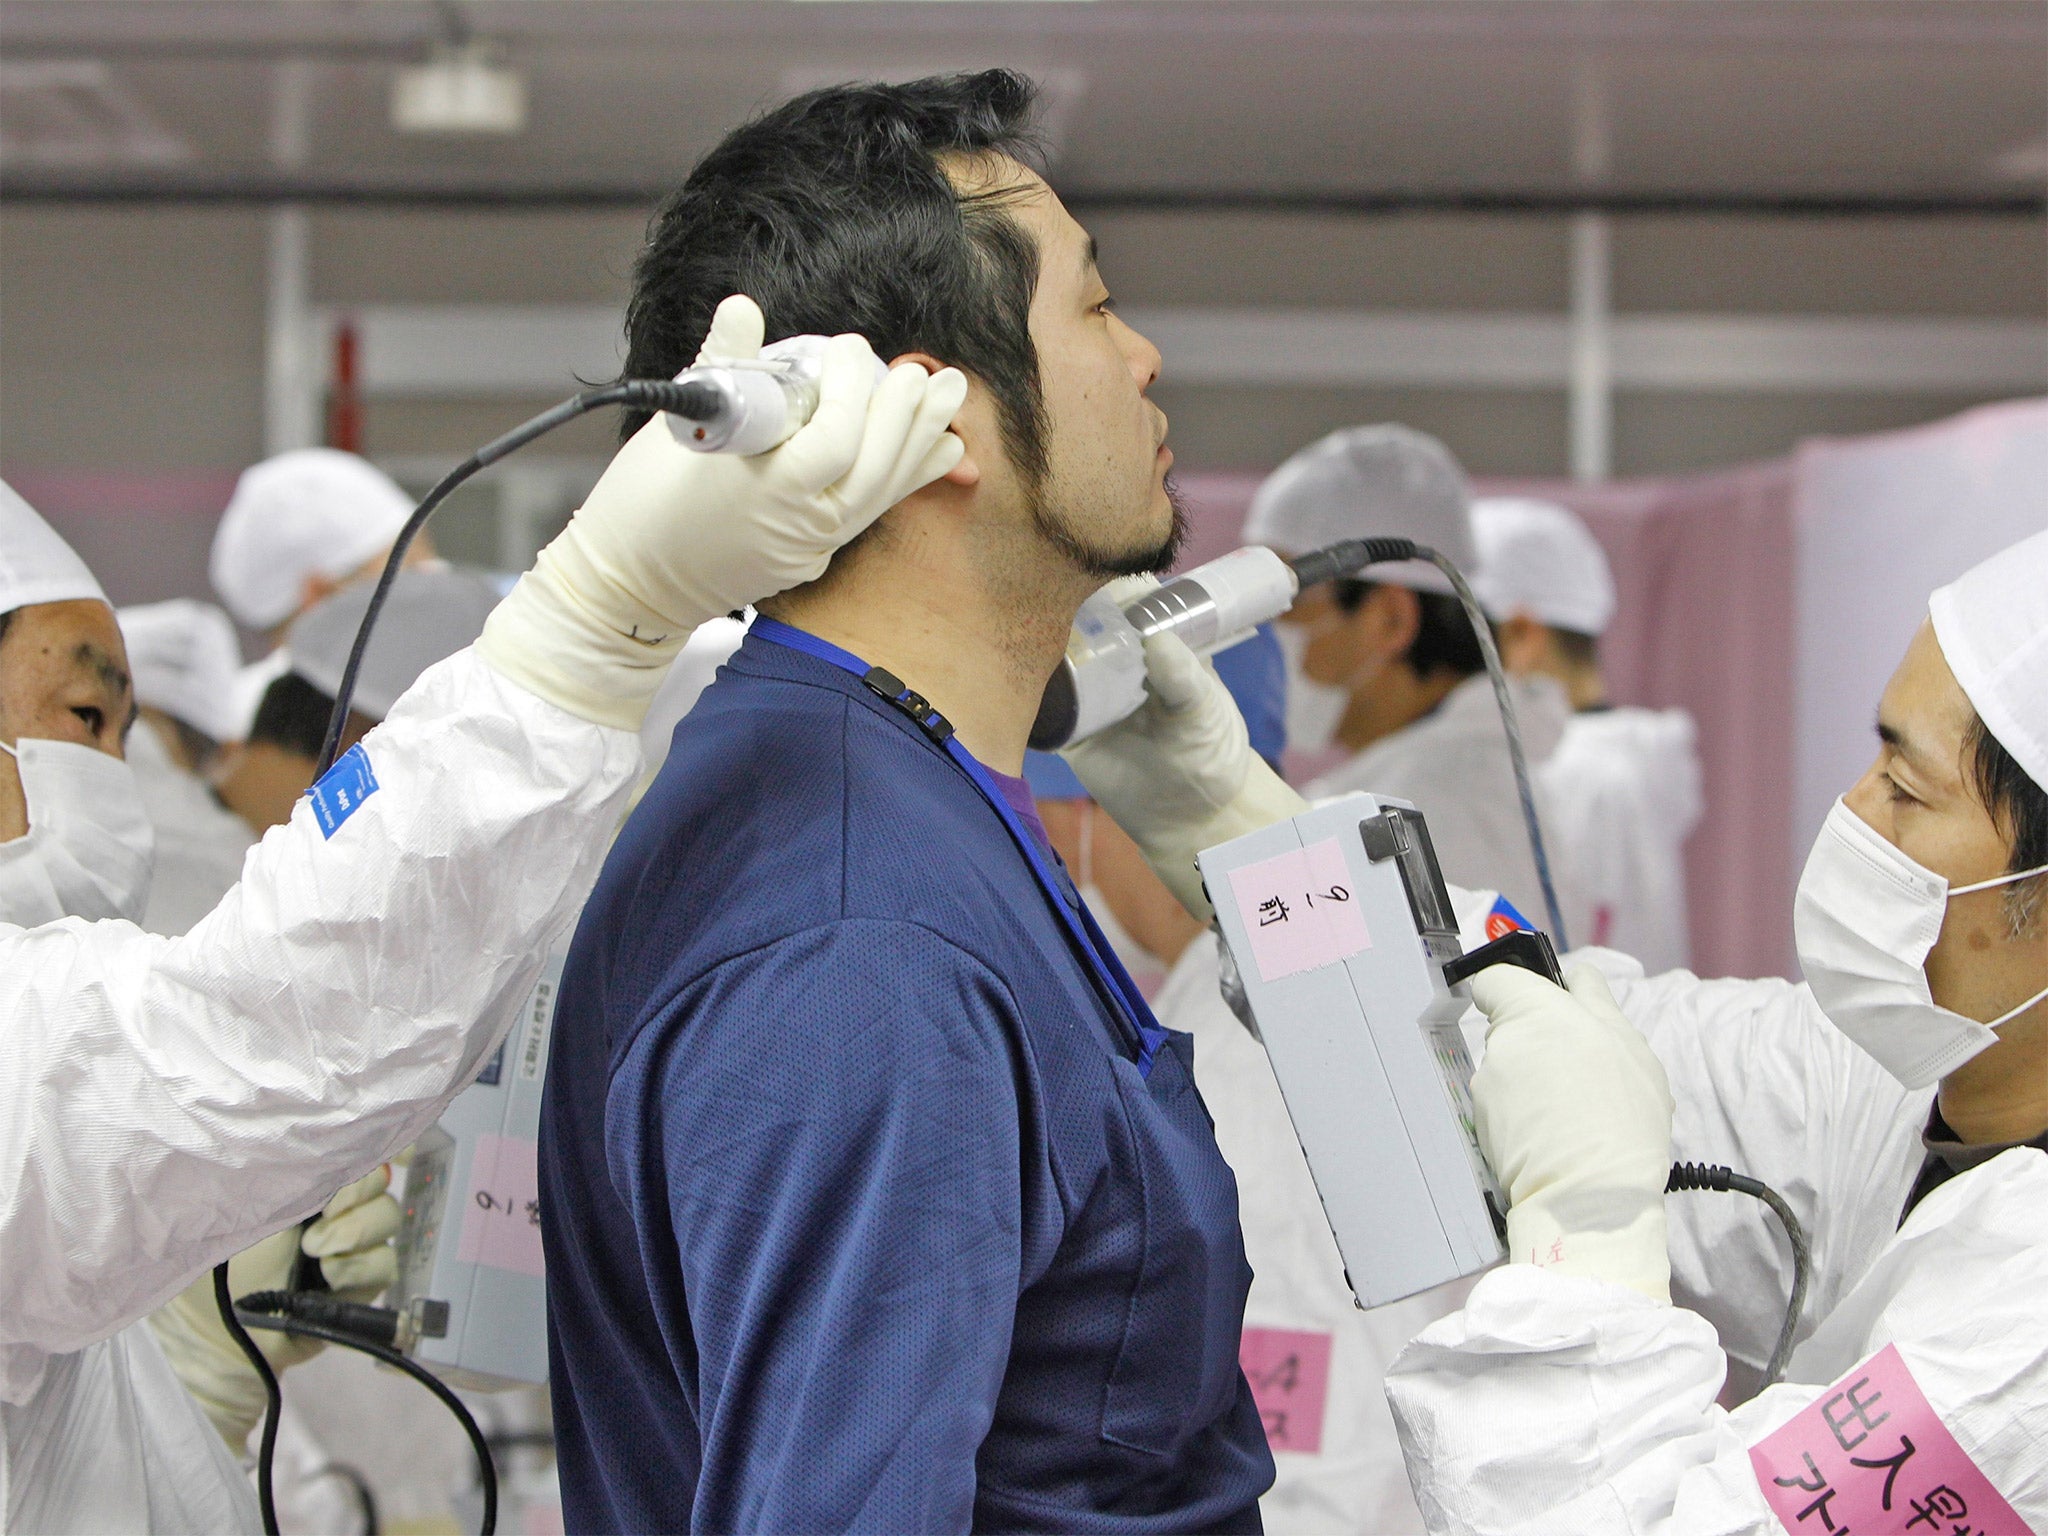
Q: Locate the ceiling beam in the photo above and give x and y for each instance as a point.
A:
(260, 189)
(498, 351)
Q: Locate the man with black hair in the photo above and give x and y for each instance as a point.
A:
(1390, 670)
(874, 1197)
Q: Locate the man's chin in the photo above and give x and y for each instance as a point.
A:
(1155, 551)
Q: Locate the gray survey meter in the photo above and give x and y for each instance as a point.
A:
(1339, 926)
(472, 1287)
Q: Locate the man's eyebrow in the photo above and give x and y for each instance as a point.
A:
(103, 666)
(1896, 738)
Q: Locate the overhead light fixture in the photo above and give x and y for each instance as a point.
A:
(464, 89)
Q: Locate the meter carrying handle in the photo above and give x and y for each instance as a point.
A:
(1524, 947)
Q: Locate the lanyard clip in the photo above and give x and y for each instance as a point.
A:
(915, 705)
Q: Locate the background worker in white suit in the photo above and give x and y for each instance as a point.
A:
(1622, 788)
(1898, 1101)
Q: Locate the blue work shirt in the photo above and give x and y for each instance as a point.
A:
(859, 1214)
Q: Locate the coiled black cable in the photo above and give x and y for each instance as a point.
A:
(1710, 1176)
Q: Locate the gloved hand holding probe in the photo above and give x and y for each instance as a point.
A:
(669, 538)
(1179, 775)
(352, 1240)
(1574, 1114)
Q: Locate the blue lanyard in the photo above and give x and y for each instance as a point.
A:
(1133, 1011)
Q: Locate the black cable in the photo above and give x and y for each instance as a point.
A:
(373, 1325)
(266, 1455)
(1713, 1177)
(698, 402)
(359, 1485)
(486, 1470)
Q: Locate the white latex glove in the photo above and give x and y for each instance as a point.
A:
(352, 1241)
(1574, 1114)
(669, 538)
(1179, 774)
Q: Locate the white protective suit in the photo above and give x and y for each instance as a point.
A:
(1337, 1461)
(486, 827)
(1555, 1403)
(200, 843)
(1621, 794)
(1453, 763)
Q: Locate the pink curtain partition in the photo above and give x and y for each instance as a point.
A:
(1704, 567)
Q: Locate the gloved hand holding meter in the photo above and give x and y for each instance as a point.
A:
(1556, 1151)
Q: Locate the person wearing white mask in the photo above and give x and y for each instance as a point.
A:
(1623, 786)
(168, 1102)
(299, 525)
(73, 836)
(1898, 1101)
(184, 657)
(1391, 666)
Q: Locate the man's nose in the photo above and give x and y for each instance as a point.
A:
(1144, 358)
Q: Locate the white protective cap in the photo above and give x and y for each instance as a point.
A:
(309, 512)
(184, 656)
(1536, 557)
(1364, 482)
(1992, 623)
(432, 612)
(36, 566)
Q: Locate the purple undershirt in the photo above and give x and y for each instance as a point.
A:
(1018, 793)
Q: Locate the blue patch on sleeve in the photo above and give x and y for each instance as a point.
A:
(341, 790)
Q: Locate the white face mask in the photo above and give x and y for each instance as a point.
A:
(1865, 918)
(89, 846)
(1314, 710)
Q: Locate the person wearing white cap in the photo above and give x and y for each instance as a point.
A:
(169, 1102)
(1623, 786)
(184, 657)
(1897, 1100)
(428, 615)
(299, 525)
(1389, 669)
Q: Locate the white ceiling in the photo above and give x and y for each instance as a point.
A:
(1944, 97)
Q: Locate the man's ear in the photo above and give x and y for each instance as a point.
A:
(972, 425)
(1524, 644)
(1395, 617)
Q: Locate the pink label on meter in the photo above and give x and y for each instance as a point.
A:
(1299, 909)
(501, 1212)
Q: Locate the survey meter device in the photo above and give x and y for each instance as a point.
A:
(1340, 927)
(472, 1286)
